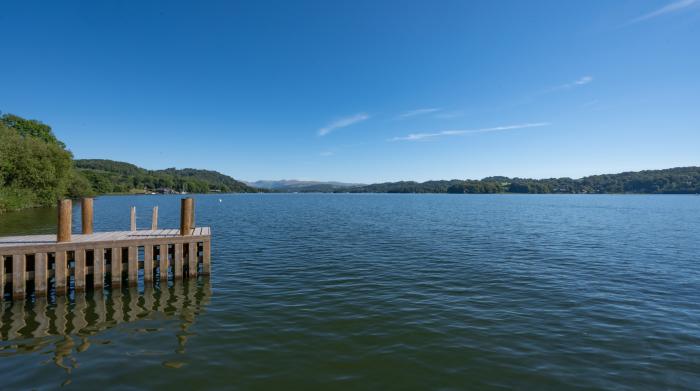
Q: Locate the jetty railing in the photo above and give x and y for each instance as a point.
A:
(65, 261)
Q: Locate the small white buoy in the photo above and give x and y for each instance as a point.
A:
(220, 200)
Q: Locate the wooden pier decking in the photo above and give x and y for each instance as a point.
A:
(65, 261)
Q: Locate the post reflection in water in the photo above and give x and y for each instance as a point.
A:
(67, 326)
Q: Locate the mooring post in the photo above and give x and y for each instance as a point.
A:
(133, 218)
(65, 215)
(86, 215)
(154, 219)
(186, 216)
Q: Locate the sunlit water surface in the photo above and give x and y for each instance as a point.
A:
(385, 292)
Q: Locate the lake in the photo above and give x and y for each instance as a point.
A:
(380, 291)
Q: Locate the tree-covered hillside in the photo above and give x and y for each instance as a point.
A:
(680, 180)
(108, 176)
(35, 167)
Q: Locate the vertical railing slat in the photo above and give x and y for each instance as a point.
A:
(40, 274)
(19, 276)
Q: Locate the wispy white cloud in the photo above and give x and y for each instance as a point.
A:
(326, 153)
(667, 9)
(342, 122)
(462, 132)
(413, 113)
(582, 81)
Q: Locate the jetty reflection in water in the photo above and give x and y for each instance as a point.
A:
(68, 326)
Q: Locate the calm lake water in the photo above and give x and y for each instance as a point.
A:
(385, 292)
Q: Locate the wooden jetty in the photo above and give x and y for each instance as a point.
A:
(65, 261)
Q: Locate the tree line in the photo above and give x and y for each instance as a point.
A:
(109, 176)
(36, 169)
(680, 180)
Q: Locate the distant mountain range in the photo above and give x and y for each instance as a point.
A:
(292, 185)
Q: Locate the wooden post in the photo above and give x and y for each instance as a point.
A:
(133, 272)
(192, 259)
(86, 211)
(80, 270)
(98, 269)
(117, 267)
(40, 274)
(2, 277)
(133, 218)
(147, 263)
(65, 216)
(154, 219)
(206, 257)
(163, 261)
(19, 275)
(61, 272)
(186, 216)
(177, 269)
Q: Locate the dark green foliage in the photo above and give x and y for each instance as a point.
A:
(681, 180)
(30, 127)
(35, 168)
(108, 176)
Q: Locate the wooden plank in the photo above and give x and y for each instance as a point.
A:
(116, 266)
(133, 268)
(19, 276)
(163, 254)
(42, 243)
(2, 277)
(79, 273)
(98, 269)
(40, 274)
(7, 244)
(192, 259)
(148, 262)
(177, 269)
(206, 257)
(61, 273)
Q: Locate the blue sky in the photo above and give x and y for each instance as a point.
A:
(362, 91)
